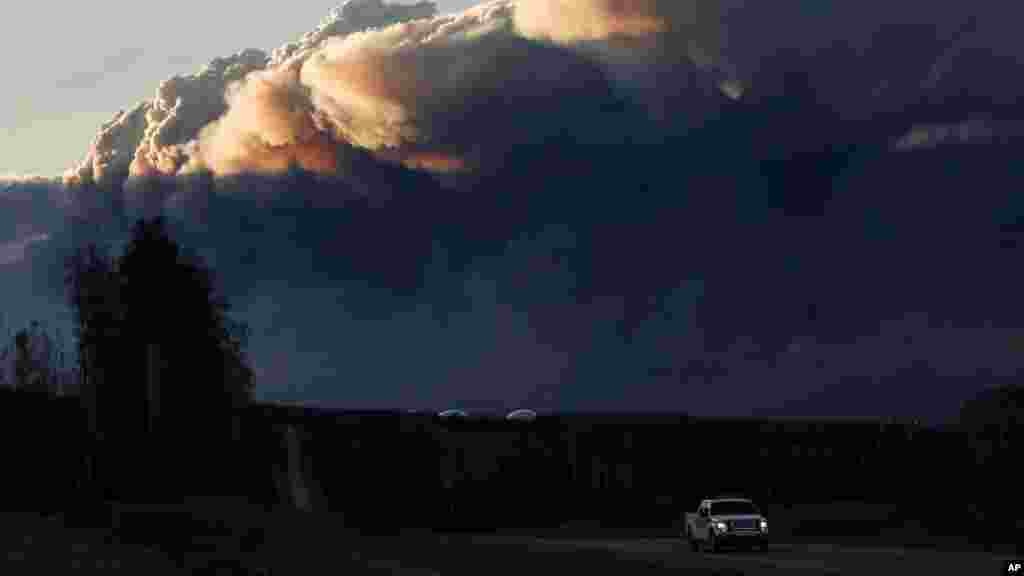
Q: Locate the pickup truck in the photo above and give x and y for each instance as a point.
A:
(721, 522)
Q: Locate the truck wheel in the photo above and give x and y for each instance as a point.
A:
(689, 538)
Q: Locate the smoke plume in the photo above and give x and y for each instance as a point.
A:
(435, 93)
(160, 136)
(557, 197)
(685, 29)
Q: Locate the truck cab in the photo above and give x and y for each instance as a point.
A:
(721, 522)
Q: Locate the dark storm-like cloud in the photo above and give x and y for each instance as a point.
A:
(560, 245)
(601, 275)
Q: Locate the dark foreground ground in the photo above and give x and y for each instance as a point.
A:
(157, 540)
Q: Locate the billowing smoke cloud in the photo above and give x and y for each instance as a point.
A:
(153, 137)
(688, 29)
(400, 90)
(182, 107)
(348, 18)
(443, 94)
(421, 89)
(269, 127)
(588, 257)
(30, 207)
(11, 178)
(572, 21)
(160, 136)
(970, 131)
(438, 93)
(14, 251)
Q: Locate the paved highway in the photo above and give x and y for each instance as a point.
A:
(797, 559)
(294, 544)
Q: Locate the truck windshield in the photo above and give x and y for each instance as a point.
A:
(729, 507)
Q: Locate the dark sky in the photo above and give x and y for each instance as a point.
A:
(772, 256)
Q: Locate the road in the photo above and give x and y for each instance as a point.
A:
(293, 545)
(798, 559)
(33, 544)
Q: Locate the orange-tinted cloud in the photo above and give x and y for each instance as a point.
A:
(269, 127)
(389, 79)
(387, 90)
(11, 179)
(159, 136)
(381, 88)
(434, 162)
(692, 29)
(568, 21)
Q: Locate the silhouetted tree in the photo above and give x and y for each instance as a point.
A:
(156, 311)
(6, 355)
(32, 353)
(993, 427)
(93, 295)
(993, 423)
(32, 360)
(169, 300)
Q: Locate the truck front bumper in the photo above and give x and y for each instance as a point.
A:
(741, 539)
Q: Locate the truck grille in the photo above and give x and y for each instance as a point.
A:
(744, 525)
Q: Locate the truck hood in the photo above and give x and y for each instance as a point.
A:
(716, 518)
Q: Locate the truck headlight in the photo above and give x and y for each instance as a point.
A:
(764, 525)
(721, 526)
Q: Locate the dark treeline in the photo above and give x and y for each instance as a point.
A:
(45, 451)
(393, 471)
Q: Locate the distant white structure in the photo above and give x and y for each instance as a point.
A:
(522, 414)
(453, 413)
